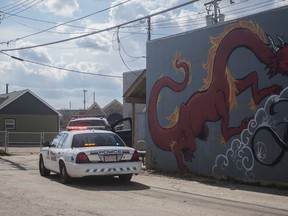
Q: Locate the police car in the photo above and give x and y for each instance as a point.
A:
(74, 154)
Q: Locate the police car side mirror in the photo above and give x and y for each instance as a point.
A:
(46, 144)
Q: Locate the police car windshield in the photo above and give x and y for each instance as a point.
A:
(96, 139)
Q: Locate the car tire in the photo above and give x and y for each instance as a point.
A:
(42, 169)
(64, 177)
(125, 178)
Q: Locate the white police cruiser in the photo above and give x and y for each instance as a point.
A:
(74, 154)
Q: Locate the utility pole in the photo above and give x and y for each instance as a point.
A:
(149, 28)
(84, 98)
(216, 8)
(7, 88)
(216, 15)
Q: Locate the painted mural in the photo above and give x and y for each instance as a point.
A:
(262, 137)
(265, 140)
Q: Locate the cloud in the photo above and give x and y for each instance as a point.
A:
(137, 9)
(38, 54)
(96, 42)
(65, 8)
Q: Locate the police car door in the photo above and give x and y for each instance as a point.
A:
(51, 152)
(58, 152)
(123, 128)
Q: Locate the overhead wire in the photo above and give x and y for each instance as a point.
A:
(6, 8)
(14, 5)
(7, 42)
(95, 32)
(65, 69)
(66, 33)
(119, 50)
(60, 32)
(99, 31)
(246, 9)
(22, 9)
(121, 47)
(60, 68)
(166, 23)
(120, 54)
(70, 21)
(50, 31)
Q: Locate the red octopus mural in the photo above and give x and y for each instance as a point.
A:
(217, 97)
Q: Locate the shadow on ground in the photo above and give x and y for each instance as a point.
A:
(106, 183)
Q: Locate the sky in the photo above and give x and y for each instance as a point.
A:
(93, 41)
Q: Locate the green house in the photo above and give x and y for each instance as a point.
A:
(27, 118)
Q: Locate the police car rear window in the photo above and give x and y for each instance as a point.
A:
(96, 139)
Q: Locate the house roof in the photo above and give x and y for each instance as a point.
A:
(113, 102)
(6, 99)
(95, 109)
(136, 93)
(113, 107)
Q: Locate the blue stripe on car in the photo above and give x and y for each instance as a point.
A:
(121, 169)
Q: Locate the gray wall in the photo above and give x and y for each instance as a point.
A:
(249, 155)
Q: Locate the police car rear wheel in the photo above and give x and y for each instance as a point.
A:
(64, 177)
(42, 169)
(125, 178)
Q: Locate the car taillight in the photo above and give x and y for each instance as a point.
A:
(82, 158)
(135, 156)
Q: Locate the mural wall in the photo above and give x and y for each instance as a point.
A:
(218, 99)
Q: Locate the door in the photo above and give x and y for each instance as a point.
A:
(123, 128)
(50, 157)
(56, 151)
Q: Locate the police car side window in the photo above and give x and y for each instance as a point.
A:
(56, 140)
(66, 143)
(62, 140)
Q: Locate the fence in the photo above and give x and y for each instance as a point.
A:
(24, 139)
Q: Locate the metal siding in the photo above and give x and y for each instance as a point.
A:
(33, 123)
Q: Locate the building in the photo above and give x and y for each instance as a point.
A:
(217, 99)
(25, 112)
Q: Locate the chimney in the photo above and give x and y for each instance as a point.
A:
(7, 91)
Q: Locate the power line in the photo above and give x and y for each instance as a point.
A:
(120, 45)
(23, 9)
(15, 5)
(59, 68)
(100, 31)
(12, 4)
(74, 20)
(250, 8)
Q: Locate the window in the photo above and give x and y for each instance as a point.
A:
(56, 140)
(96, 139)
(62, 140)
(9, 124)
